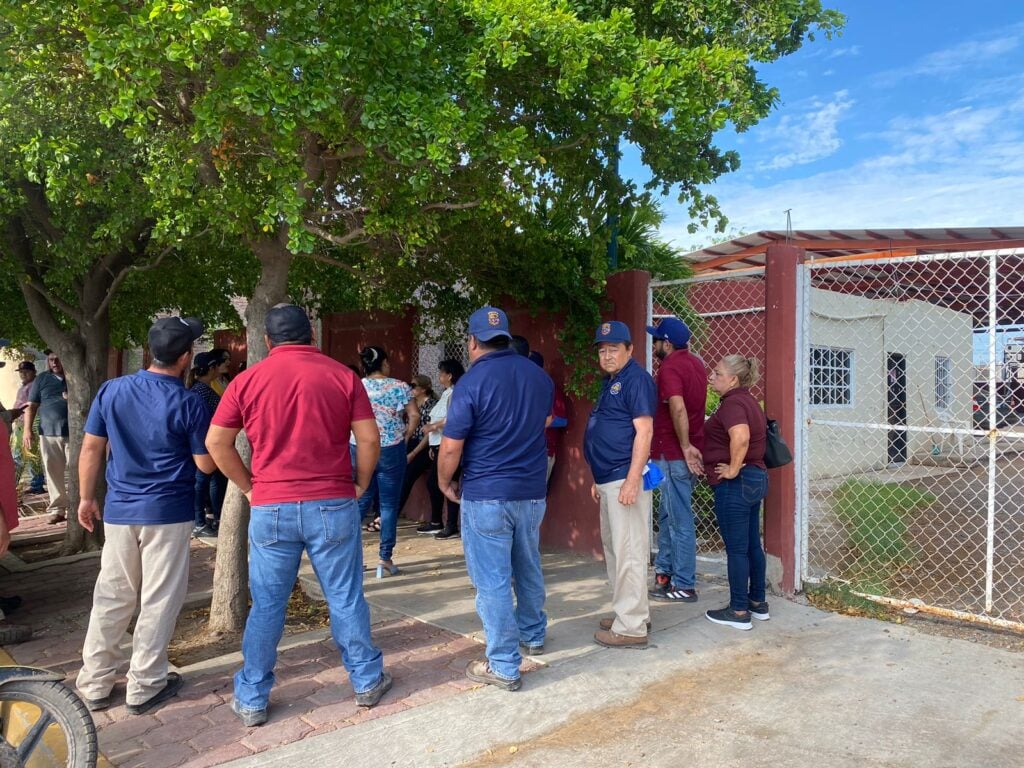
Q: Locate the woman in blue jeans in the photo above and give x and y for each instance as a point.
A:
(397, 419)
(734, 443)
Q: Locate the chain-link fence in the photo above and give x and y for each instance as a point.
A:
(726, 315)
(913, 397)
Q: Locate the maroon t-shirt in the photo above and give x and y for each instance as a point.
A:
(297, 409)
(553, 435)
(738, 406)
(680, 374)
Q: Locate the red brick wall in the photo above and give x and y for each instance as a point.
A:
(572, 522)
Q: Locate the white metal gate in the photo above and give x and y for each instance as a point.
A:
(726, 316)
(912, 489)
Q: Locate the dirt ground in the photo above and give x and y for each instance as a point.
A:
(949, 540)
(192, 642)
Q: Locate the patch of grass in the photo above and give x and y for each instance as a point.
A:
(830, 596)
(875, 516)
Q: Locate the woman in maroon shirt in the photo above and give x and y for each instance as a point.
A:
(734, 442)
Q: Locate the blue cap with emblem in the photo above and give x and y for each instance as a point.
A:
(613, 332)
(488, 323)
(673, 330)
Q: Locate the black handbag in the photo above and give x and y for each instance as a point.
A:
(776, 452)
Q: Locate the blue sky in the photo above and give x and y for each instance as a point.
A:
(914, 117)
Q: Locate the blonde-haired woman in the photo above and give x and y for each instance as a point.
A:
(734, 443)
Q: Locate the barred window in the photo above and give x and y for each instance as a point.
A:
(831, 372)
(943, 383)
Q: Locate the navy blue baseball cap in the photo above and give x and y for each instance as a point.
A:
(671, 329)
(172, 337)
(288, 322)
(613, 332)
(488, 323)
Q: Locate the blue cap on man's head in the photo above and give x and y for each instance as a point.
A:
(673, 330)
(488, 323)
(613, 332)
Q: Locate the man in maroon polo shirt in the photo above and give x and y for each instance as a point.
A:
(676, 448)
(297, 408)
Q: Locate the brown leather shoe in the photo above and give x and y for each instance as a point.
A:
(607, 621)
(480, 672)
(611, 639)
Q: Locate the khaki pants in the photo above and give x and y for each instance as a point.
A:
(54, 451)
(625, 535)
(139, 561)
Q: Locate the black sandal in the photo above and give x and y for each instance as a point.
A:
(372, 527)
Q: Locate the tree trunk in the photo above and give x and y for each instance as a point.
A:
(230, 602)
(86, 369)
(83, 351)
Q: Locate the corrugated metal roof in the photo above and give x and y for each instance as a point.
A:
(748, 251)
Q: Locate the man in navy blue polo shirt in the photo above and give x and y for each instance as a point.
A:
(617, 447)
(495, 425)
(155, 430)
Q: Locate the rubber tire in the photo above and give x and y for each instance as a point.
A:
(10, 634)
(67, 710)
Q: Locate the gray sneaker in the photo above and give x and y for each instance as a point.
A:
(531, 650)
(371, 697)
(249, 717)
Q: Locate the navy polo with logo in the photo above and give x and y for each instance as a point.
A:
(154, 426)
(499, 408)
(608, 445)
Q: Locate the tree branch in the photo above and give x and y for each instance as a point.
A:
(39, 210)
(451, 206)
(335, 263)
(123, 275)
(352, 238)
(37, 297)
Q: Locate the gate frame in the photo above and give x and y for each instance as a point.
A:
(805, 273)
(782, 508)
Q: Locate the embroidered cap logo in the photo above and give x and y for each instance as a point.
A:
(493, 319)
(606, 328)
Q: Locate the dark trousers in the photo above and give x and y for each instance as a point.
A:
(414, 470)
(437, 497)
(738, 509)
(209, 494)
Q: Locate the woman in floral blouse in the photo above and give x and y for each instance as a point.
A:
(397, 420)
(417, 460)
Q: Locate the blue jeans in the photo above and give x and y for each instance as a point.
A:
(738, 509)
(501, 540)
(328, 530)
(677, 536)
(386, 489)
(209, 490)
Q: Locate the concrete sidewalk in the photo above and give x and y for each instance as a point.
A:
(804, 689)
(807, 688)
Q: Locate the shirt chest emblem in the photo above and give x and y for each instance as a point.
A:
(616, 388)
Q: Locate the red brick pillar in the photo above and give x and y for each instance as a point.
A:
(780, 533)
(628, 294)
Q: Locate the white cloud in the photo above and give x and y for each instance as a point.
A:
(959, 168)
(853, 50)
(944, 137)
(965, 55)
(810, 136)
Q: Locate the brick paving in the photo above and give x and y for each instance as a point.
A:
(312, 694)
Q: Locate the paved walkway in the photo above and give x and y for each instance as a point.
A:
(805, 689)
(312, 695)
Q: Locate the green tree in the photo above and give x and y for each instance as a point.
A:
(79, 244)
(386, 138)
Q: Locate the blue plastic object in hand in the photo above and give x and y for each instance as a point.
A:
(652, 476)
